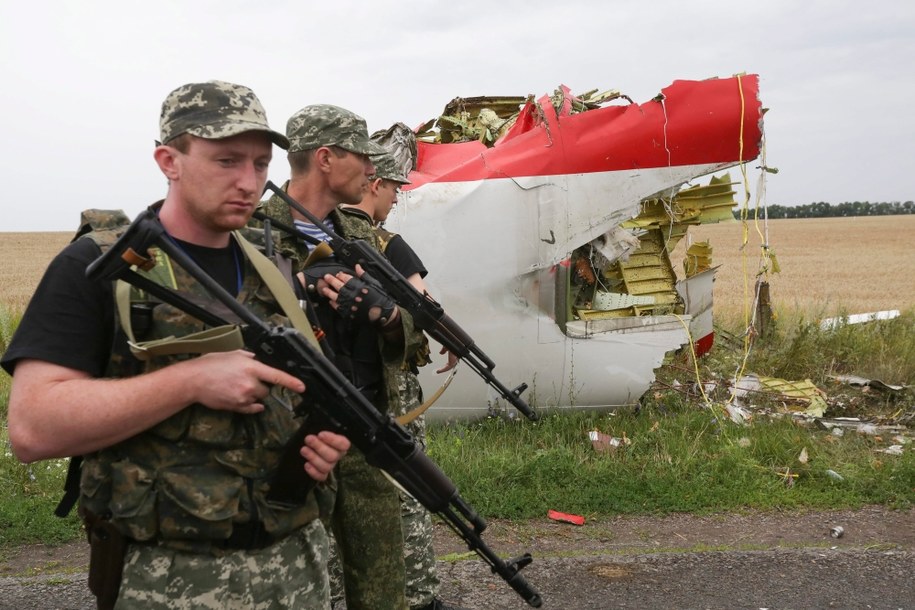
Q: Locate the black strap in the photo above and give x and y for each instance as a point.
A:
(71, 488)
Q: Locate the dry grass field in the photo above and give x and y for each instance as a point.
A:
(25, 256)
(829, 266)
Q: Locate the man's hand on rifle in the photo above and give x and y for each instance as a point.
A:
(235, 381)
(453, 360)
(354, 297)
(322, 451)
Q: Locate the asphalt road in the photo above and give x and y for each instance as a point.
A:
(726, 580)
(777, 580)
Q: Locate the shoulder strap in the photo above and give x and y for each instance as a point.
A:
(409, 416)
(280, 288)
(71, 488)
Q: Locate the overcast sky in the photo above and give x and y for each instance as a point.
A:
(82, 82)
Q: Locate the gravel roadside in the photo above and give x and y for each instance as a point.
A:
(753, 560)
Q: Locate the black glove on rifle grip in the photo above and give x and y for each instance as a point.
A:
(358, 296)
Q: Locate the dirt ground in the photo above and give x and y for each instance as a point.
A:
(678, 561)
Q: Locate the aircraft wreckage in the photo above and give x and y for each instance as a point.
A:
(547, 226)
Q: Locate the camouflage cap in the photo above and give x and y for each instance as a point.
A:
(325, 125)
(386, 168)
(213, 110)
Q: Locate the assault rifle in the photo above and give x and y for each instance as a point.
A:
(335, 404)
(427, 313)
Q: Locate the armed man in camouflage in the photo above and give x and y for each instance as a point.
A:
(370, 338)
(419, 555)
(177, 451)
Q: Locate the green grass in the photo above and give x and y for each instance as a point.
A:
(31, 493)
(882, 350)
(685, 454)
(9, 321)
(687, 461)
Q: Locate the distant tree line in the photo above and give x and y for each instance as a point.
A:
(821, 209)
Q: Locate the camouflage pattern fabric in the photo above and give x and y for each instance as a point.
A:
(422, 582)
(366, 560)
(363, 494)
(419, 554)
(101, 220)
(421, 579)
(386, 168)
(326, 125)
(349, 226)
(288, 574)
(213, 110)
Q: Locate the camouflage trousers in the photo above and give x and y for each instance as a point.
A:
(290, 574)
(419, 556)
(366, 560)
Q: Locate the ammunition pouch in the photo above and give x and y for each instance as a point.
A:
(107, 546)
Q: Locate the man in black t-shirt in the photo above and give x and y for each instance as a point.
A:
(176, 449)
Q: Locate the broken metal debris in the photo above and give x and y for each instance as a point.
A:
(562, 173)
(854, 380)
(855, 424)
(858, 318)
(804, 393)
(487, 118)
(892, 450)
(628, 270)
(738, 414)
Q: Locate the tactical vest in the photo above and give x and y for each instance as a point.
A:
(200, 473)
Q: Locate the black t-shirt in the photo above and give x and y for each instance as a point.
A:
(70, 320)
(403, 258)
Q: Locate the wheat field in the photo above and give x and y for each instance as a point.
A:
(25, 256)
(829, 266)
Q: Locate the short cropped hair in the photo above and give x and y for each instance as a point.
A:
(181, 143)
(300, 160)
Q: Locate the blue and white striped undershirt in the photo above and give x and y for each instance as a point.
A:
(314, 231)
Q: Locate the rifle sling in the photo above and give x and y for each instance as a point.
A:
(409, 416)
